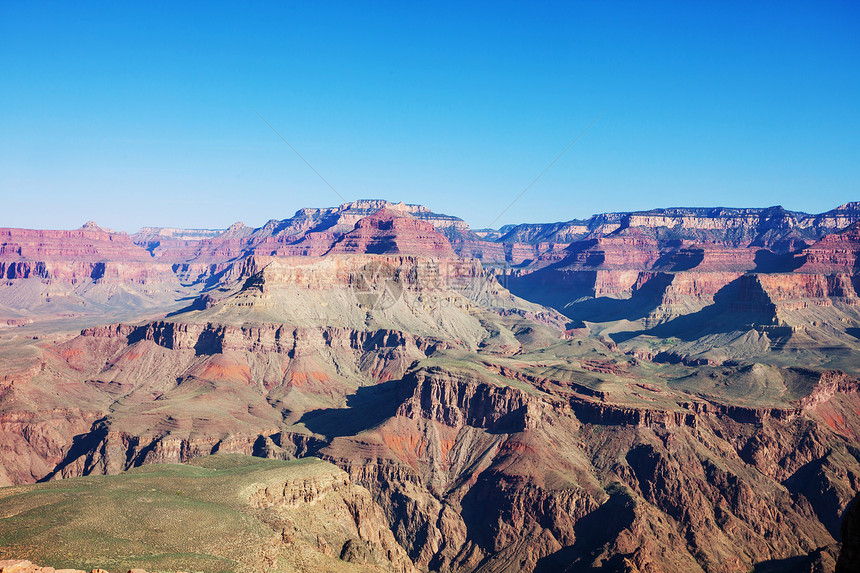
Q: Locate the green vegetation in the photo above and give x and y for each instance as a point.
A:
(169, 517)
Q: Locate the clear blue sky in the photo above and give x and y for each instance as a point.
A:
(144, 113)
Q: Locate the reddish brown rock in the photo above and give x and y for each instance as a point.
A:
(576, 458)
(310, 232)
(390, 232)
(836, 253)
(78, 255)
(23, 566)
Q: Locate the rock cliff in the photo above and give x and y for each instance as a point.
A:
(695, 410)
(224, 513)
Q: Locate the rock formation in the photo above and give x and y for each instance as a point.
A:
(220, 514)
(74, 256)
(390, 232)
(695, 408)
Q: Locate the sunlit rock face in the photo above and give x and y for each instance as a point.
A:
(672, 390)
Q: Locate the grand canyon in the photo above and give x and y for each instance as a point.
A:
(379, 387)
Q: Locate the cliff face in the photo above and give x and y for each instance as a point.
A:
(75, 256)
(605, 255)
(387, 231)
(708, 302)
(292, 337)
(837, 252)
(473, 460)
(351, 526)
(85, 274)
(175, 375)
(697, 409)
(310, 232)
(225, 513)
(772, 228)
(478, 474)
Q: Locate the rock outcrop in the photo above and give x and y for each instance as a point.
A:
(74, 256)
(310, 232)
(481, 474)
(390, 232)
(24, 566)
(697, 410)
(223, 513)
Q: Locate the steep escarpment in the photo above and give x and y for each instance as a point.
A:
(710, 302)
(695, 410)
(450, 299)
(474, 473)
(33, 443)
(164, 392)
(608, 255)
(388, 231)
(74, 256)
(482, 460)
(169, 391)
(837, 252)
(773, 228)
(245, 373)
(310, 232)
(84, 272)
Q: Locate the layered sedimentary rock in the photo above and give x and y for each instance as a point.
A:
(712, 301)
(773, 228)
(199, 255)
(476, 462)
(295, 335)
(310, 232)
(389, 232)
(480, 465)
(607, 255)
(524, 481)
(697, 410)
(49, 275)
(75, 256)
(837, 252)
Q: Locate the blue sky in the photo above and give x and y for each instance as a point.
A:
(145, 113)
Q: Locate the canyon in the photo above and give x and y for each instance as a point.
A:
(676, 389)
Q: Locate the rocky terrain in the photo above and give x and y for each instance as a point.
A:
(657, 391)
(528, 246)
(24, 566)
(220, 514)
(87, 272)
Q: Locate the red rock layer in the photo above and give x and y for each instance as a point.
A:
(80, 254)
(804, 289)
(391, 232)
(839, 252)
(628, 252)
(310, 232)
